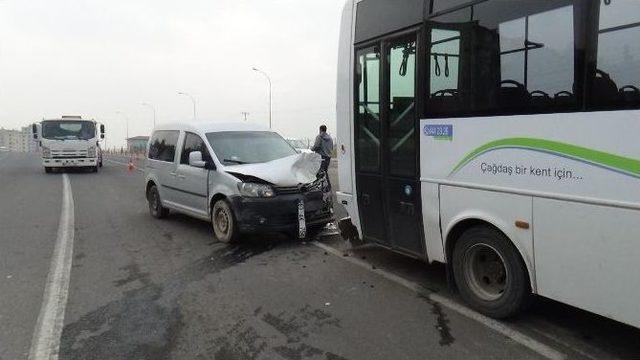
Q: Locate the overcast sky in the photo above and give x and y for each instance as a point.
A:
(96, 57)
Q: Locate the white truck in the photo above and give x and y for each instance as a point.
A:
(69, 142)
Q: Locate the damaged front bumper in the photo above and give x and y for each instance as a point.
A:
(280, 213)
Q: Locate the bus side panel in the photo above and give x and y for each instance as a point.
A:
(595, 249)
(431, 222)
(498, 209)
(344, 116)
(587, 156)
(344, 104)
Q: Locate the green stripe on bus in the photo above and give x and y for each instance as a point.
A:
(612, 161)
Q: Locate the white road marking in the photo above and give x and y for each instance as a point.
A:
(522, 339)
(45, 343)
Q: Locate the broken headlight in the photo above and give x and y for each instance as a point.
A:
(256, 190)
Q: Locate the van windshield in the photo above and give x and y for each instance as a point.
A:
(249, 147)
(68, 130)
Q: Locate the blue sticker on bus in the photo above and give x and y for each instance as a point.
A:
(439, 132)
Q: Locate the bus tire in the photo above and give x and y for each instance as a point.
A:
(155, 203)
(47, 170)
(223, 221)
(489, 273)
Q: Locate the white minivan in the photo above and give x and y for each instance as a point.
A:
(242, 177)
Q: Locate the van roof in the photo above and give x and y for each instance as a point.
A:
(210, 126)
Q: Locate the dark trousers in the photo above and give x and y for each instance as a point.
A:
(325, 164)
(324, 168)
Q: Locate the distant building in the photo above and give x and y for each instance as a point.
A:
(17, 140)
(29, 143)
(137, 144)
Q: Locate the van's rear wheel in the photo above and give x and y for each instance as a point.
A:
(155, 204)
(489, 273)
(223, 221)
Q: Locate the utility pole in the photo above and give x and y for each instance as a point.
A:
(270, 93)
(154, 111)
(193, 100)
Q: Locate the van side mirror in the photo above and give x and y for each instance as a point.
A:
(195, 159)
(34, 131)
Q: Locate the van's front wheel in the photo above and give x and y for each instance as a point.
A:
(223, 220)
(155, 204)
(489, 273)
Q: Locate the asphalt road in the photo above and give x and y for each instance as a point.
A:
(142, 288)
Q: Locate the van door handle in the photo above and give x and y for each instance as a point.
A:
(173, 174)
(181, 176)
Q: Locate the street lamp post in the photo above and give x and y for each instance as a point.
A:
(126, 119)
(192, 100)
(270, 93)
(154, 112)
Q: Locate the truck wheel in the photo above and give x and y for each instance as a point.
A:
(47, 170)
(489, 273)
(155, 204)
(223, 221)
(94, 169)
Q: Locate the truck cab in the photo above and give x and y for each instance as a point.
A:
(69, 142)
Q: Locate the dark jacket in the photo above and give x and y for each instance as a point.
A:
(323, 145)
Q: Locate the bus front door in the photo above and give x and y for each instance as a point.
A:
(387, 146)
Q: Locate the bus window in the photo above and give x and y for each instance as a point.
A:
(402, 108)
(616, 82)
(512, 59)
(446, 96)
(367, 121)
(444, 5)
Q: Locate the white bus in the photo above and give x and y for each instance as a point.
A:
(501, 137)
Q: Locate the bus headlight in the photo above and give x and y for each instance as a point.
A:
(46, 152)
(91, 152)
(256, 190)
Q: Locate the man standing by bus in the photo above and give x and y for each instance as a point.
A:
(323, 146)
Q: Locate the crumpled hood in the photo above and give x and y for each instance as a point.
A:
(290, 171)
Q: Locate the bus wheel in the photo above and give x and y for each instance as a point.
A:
(47, 170)
(490, 273)
(224, 222)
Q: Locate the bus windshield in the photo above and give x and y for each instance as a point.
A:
(68, 130)
(249, 147)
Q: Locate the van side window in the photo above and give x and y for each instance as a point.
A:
(193, 142)
(616, 81)
(162, 145)
(502, 58)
